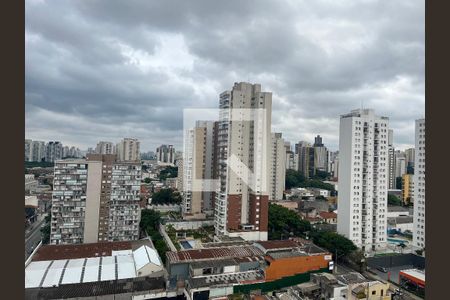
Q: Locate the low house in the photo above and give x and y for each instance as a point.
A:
(328, 217)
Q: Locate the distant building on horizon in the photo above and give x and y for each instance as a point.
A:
(165, 155)
(105, 148)
(128, 150)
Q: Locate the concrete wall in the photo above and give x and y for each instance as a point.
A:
(397, 261)
(92, 202)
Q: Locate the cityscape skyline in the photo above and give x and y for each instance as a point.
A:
(136, 85)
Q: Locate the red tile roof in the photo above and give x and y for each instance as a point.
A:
(55, 252)
(328, 215)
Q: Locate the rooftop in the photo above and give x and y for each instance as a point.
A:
(415, 273)
(93, 289)
(280, 244)
(55, 252)
(328, 215)
(213, 253)
(121, 264)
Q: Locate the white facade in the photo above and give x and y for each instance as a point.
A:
(419, 186)
(105, 148)
(391, 160)
(28, 150)
(128, 150)
(363, 178)
(277, 168)
(400, 163)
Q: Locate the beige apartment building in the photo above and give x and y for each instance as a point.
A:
(128, 150)
(244, 157)
(198, 164)
(407, 189)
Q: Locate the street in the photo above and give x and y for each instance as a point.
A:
(33, 237)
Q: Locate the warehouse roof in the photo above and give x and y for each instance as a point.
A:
(120, 265)
(94, 289)
(55, 252)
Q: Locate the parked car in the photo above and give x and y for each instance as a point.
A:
(382, 269)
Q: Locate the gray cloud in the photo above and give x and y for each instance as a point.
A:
(99, 70)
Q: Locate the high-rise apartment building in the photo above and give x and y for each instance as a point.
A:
(244, 143)
(165, 155)
(419, 186)
(128, 150)
(28, 147)
(198, 171)
(277, 167)
(290, 157)
(410, 157)
(363, 178)
(306, 159)
(391, 160)
(320, 155)
(400, 163)
(407, 189)
(94, 200)
(54, 151)
(105, 148)
(37, 150)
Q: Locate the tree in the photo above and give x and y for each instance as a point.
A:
(394, 200)
(147, 180)
(283, 222)
(150, 220)
(333, 242)
(296, 179)
(168, 172)
(166, 196)
(45, 231)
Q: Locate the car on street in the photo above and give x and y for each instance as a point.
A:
(382, 269)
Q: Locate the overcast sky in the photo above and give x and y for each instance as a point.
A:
(104, 70)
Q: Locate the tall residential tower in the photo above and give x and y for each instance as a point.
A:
(244, 150)
(363, 178)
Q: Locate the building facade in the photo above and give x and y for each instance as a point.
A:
(94, 200)
(419, 186)
(244, 139)
(363, 179)
(198, 197)
(105, 148)
(128, 150)
(400, 163)
(407, 189)
(391, 160)
(54, 151)
(165, 155)
(277, 168)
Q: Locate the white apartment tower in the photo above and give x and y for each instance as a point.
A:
(277, 167)
(391, 160)
(244, 143)
(419, 186)
(363, 178)
(128, 150)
